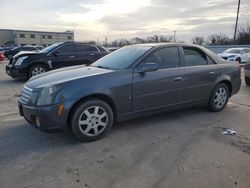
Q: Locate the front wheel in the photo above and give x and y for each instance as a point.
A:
(247, 80)
(219, 98)
(37, 69)
(92, 120)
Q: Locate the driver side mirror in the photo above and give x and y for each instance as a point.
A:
(243, 52)
(147, 67)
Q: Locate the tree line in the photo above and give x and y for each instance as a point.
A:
(242, 37)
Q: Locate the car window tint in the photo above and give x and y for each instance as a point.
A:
(67, 48)
(194, 57)
(165, 58)
(85, 48)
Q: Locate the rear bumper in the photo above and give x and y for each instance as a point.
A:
(16, 73)
(46, 117)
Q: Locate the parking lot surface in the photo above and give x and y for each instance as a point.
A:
(178, 149)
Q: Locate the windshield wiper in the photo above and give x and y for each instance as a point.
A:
(99, 66)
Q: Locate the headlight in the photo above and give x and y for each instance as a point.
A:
(20, 60)
(47, 95)
(231, 56)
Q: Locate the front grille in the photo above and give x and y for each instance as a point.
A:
(25, 94)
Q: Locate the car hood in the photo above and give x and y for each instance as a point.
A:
(24, 53)
(227, 54)
(64, 75)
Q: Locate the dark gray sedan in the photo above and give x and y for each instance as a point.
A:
(130, 82)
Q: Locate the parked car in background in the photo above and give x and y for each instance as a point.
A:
(1, 56)
(27, 64)
(133, 81)
(10, 53)
(241, 55)
(247, 73)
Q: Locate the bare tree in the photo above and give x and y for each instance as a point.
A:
(218, 39)
(198, 40)
(243, 35)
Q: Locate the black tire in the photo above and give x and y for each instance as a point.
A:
(247, 80)
(36, 66)
(86, 131)
(238, 60)
(218, 103)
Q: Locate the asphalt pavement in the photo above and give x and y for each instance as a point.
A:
(184, 148)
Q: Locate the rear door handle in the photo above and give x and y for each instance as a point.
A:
(92, 54)
(211, 73)
(72, 56)
(178, 78)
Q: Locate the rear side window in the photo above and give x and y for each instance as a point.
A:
(67, 48)
(194, 57)
(86, 48)
(165, 57)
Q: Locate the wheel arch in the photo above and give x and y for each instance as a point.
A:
(36, 63)
(228, 84)
(102, 97)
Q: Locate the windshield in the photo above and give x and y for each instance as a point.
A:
(233, 51)
(122, 58)
(49, 48)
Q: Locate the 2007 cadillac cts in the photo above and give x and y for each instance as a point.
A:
(132, 81)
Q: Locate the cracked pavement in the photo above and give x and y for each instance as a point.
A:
(178, 149)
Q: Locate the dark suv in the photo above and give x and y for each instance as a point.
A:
(27, 64)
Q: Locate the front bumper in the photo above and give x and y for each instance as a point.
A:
(46, 117)
(16, 72)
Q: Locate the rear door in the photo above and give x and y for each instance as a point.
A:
(87, 54)
(161, 88)
(200, 74)
(63, 56)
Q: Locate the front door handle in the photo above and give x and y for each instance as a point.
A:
(178, 78)
(92, 54)
(72, 56)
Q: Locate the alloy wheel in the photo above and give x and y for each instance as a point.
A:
(93, 121)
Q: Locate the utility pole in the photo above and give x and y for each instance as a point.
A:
(174, 36)
(236, 24)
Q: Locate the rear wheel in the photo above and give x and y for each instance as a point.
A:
(92, 120)
(219, 98)
(247, 80)
(37, 69)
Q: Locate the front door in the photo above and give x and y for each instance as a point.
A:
(161, 88)
(63, 56)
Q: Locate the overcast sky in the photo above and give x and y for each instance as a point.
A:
(92, 19)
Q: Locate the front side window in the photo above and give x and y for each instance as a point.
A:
(67, 48)
(194, 57)
(165, 58)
